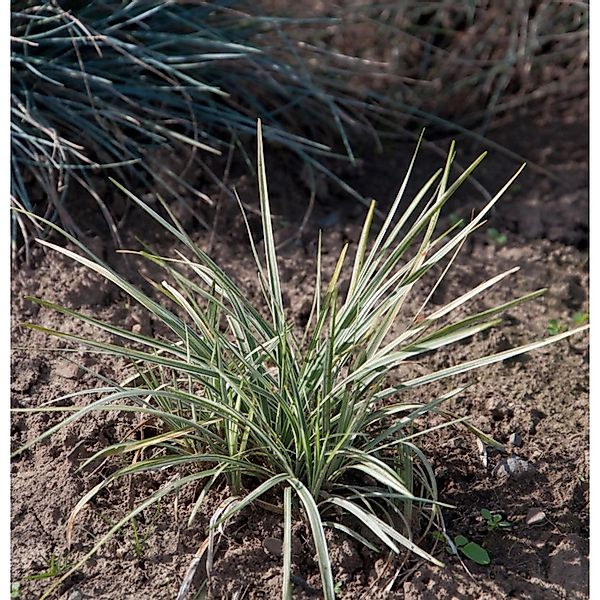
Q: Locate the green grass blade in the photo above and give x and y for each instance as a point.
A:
(274, 298)
(316, 526)
(489, 360)
(286, 593)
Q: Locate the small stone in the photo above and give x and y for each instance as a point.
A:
(535, 516)
(273, 546)
(516, 440)
(75, 595)
(482, 452)
(380, 566)
(68, 370)
(514, 467)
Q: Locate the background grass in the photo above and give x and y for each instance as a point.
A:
(150, 91)
(103, 85)
(467, 60)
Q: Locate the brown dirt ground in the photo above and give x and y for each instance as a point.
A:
(542, 397)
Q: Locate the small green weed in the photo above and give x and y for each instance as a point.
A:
(554, 327)
(577, 318)
(140, 538)
(494, 520)
(138, 541)
(57, 566)
(15, 589)
(499, 239)
(455, 220)
(580, 318)
(472, 550)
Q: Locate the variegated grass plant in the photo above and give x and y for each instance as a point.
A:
(317, 419)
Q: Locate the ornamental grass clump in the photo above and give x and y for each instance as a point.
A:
(315, 422)
(146, 91)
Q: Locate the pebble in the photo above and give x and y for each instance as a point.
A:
(68, 370)
(273, 546)
(516, 440)
(483, 455)
(515, 467)
(535, 516)
(75, 595)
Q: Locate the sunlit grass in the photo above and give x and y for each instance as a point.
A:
(317, 421)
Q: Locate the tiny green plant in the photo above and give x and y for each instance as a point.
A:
(498, 238)
(138, 541)
(140, 538)
(319, 418)
(554, 327)
(472, 550)
(494, 520)
(56, 567)
(15, 589)
(455, 220)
